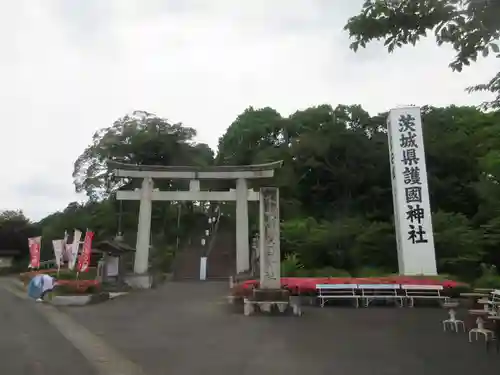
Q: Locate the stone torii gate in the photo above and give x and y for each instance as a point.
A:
(269, 211)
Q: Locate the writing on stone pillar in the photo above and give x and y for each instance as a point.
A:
(412, 211)
(415, 214)
(270, 250)
(270, 244)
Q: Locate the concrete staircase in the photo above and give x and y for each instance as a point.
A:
(187, 263)
(221, 262)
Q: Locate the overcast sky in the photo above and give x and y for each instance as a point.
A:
(70, 67)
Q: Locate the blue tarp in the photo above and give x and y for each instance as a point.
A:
(35, 287)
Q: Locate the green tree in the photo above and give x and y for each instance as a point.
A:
(459, 246)
(342, 164)
(252, 132)
(471, 27)
(141, 138)
(15, 229)
(375, 248)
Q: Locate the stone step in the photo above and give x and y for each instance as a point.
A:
(221, 260)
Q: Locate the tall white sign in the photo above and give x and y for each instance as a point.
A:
(412, 212)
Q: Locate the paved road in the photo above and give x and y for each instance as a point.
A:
(30, 345)
(183, 328)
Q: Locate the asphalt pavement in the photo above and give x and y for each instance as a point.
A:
(30, 345)
(186, 328)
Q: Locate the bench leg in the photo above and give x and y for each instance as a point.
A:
(322, 302)
(265, 307)
(248, 308)
(296, 310)
(282, 307)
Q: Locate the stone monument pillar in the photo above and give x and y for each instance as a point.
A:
(412, 211)
(242, 240)
(269, 239)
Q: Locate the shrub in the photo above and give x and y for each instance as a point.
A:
(489, 278)
(291, 266)
(238, 291)
(329, 272)
(455, 292)
(64, 274)
(76, 289)
(370, 272)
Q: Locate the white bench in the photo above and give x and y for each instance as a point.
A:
(337, 291)
(492, 303)
(425, 292)
(387, 292)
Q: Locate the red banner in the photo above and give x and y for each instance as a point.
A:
(84, 259)
(34, 244)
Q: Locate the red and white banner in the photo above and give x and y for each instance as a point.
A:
(35, 243)
(84, 259)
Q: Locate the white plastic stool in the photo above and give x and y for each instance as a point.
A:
(480, 330)
(453, 322)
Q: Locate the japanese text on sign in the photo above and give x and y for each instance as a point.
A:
(415, 214)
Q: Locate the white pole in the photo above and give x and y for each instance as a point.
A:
(203, 268)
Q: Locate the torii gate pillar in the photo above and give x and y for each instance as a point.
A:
(141, 262)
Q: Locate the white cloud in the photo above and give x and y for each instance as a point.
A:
(71, 67)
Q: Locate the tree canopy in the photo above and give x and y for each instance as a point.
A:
(140, 138)
(471, 27)
(335, 184)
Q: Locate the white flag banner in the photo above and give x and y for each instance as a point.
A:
(74, 249)
(67, 253)
(64, 257)
(58, 246)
